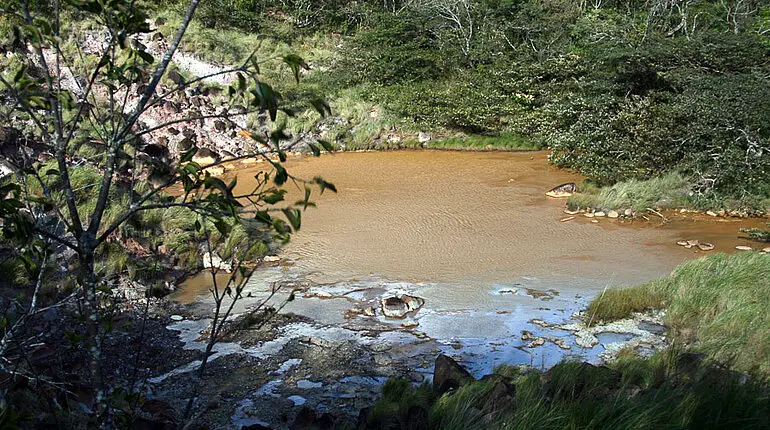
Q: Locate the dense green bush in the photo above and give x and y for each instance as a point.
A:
(394, 50)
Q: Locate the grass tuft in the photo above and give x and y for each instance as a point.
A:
(718, 303)
(667, 191)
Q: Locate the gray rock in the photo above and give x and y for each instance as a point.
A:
(399, 306)
(448, 375)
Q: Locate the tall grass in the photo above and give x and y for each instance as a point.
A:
(662, 392)
(502, 141)
(667, 191)
(719, 303)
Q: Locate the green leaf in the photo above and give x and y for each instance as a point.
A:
(321, 107)
(281, 175)
(294, 216)
(264, 217)
(223, 227)
(326, 145)
(295, 62)
(187, 156)
(324, 185)
(146, 56)
(274, 197)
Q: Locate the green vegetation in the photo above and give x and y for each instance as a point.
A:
(666, 191)
(665, 391)
(619, 91)
(503, 141)
(717, 303)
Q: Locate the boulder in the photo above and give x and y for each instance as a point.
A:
(171, 107)
(185, 144)
(448, 375)
(205, 156)
(7, 168)
(400, 306)
(175, 77)
(500, 398)
(212, 260)
(563, 190)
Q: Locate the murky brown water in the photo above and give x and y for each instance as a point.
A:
(473, 221)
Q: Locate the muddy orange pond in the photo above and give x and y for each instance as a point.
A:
(472, 221)
(475, 237)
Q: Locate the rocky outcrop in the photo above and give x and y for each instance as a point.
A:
(448, 375)
(400, 306)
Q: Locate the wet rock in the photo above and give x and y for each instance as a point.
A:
(307, 418)
(585, 339)
(271, 259)
(563, 190)
(688, 243)
(541, 323)
(423, 137)
(613, 214)
(400, 306)
(159, 416)
(711, 213)
(703, 246)
(744, 248)
(628, 212)
(560, 343)
(416, 377)
(538, 341)
(448, 375)
(176, 318)
(600, 214)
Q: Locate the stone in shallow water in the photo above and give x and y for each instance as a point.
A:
(744, 248)
(563, 190)
(307, 384)
(176, 317)
(399, 306)
(298, 400)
